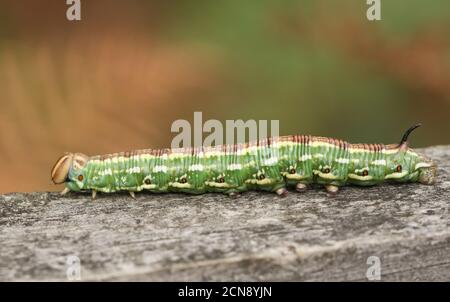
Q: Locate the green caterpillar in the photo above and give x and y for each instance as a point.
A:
(271, 164)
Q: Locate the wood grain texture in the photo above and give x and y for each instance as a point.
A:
(259, 236)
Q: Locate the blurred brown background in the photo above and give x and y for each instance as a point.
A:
(118, 78)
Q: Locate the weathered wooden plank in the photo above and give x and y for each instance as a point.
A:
(309, 236)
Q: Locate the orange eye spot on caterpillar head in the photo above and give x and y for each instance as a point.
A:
(262, 176)
(221, 180)
(183, 180)
(147, 181)
(398, 168)
(365, 173)
(292, 171)
(80, 177)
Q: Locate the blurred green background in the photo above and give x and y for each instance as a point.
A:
(117, 79)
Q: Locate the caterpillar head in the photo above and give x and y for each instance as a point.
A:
(404, 164)
(67, 170)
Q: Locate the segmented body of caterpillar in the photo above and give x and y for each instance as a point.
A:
(271, 164)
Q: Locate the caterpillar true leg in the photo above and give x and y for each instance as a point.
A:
(94, 194)
(132, 194)
(65, 191)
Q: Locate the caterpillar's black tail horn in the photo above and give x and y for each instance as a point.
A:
(404, 140)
